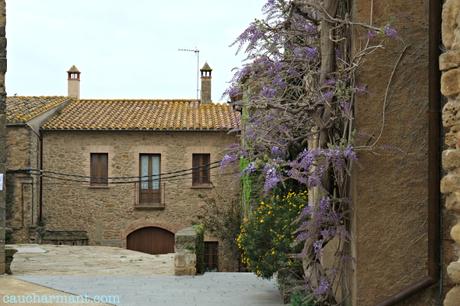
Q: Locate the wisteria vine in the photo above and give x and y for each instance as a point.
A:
(296, 90)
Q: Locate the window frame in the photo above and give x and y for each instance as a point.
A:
(96, 178)
(149, 196)
(201, 176)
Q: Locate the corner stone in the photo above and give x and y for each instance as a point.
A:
(453, 270)
(449, 60)
(452, 297)
(450, 82)
(450, 183)
(455, 233)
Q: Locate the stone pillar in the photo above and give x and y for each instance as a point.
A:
(2, 131)
(449, 63)
(185, 257)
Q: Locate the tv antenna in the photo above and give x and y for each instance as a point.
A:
(197, 52)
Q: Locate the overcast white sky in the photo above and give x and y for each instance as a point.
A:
(124, 49)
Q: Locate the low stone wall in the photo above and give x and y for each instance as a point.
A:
(450, 88)
(185, 257)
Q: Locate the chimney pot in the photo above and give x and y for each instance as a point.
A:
(73, 82)
(206, 83)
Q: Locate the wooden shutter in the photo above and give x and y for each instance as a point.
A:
(99, 171)
(201, 172)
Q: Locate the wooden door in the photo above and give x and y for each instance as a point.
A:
(152, 240)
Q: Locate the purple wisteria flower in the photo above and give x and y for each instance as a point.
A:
(330, 82)
(349, 153)
(271, 178)
(318, 247)
(250, 36)
(279, 82)
(322, 288)
(309, 53)
(310, 28)
(328, 95)
(227, 160)
(390, 31)
(268, 92)
(250, 168)
(276, 151)
(371, 34)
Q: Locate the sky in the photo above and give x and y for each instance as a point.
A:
(124, 49)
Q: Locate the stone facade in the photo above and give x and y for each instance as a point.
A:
(109, 214)
(449, 63)
(22, 202)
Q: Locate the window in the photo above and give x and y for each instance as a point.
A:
(211, 256)
(150, 192)
(201, 172)
(99, 166)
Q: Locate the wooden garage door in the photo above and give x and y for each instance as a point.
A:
(152, 240)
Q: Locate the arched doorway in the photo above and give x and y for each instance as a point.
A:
(152, 240)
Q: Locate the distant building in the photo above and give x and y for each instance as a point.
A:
(124, 173)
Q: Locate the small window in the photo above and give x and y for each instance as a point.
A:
(99, 169)
(150, 192)
(201, 171)
(211, 255)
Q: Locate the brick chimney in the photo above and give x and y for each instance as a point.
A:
(73, 82)
(206, 84)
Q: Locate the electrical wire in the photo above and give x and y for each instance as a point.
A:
(121, 177)
(137, 180)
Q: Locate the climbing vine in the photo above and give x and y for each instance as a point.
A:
(297, 88)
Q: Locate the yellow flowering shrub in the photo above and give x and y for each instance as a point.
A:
(267, 236)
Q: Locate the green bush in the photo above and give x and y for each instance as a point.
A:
(267, 236)
(199, 229)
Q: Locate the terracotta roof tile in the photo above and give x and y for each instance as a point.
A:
(20, 109)
(187, 115)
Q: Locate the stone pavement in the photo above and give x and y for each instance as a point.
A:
(135, 279)
(14, 290)
(33, 259)
(210, 289)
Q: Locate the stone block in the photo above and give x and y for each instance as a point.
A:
(450, 183)
(179, 260)
(185, 239)
(453, 202)
(449, 60)
(450, 22)
(451, 114)
(453, 270)
(450, 82)
(455, 233)
(452, 297)
(451, 159)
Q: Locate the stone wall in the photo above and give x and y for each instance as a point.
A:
(390, 182)
(449, 63)
(22, 201)
(109, 214)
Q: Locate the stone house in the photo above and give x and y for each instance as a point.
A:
(25, 115)
(126, 173)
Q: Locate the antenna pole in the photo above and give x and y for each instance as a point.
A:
(197, 52)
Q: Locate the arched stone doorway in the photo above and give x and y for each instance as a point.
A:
(152, 240)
